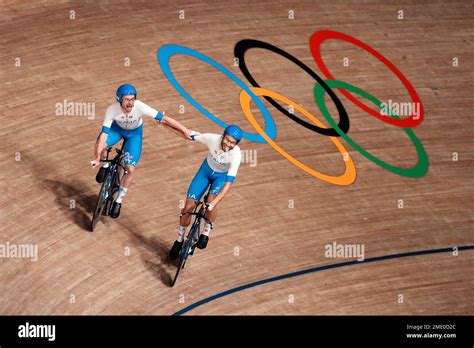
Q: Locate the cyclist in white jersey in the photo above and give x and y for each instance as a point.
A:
(218, 171)
(123, 119)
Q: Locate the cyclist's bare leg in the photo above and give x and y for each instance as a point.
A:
(189, 206)
(207, 227)
(211, 215)
(125, 183)
(127, 178)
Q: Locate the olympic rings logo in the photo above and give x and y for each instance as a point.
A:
(339, 130)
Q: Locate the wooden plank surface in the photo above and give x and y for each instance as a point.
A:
(257, 234)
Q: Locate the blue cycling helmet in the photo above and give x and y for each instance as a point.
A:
(234, 131)
(125, 90)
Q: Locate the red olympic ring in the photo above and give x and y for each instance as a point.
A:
(315, 45)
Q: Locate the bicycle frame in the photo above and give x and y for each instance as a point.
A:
(110, 186)
(114, 168)
(200, 213)
(192, 237)
(117, 160)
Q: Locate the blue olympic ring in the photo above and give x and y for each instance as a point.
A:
(167, 51)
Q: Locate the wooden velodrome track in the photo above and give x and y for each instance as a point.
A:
(45, 161)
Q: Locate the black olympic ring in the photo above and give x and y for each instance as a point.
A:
(239, 52)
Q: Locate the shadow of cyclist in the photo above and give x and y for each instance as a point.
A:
(153, 251)
(73, 201)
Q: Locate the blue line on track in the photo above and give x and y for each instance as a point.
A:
(317, 269)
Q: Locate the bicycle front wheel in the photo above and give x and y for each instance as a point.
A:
(101, 202)
(184, 254)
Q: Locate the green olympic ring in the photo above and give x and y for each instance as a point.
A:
(417, 171)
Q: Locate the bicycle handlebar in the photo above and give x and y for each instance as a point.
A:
(114, 161)
(117, 150)
(200, 214)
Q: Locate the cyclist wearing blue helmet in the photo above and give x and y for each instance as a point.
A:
(217, 171)
(123, 119)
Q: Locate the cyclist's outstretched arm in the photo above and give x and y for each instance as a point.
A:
(172, 123)
(169, 122)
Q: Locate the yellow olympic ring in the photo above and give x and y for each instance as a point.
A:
(349, 175)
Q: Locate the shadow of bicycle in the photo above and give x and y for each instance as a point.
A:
(153, 251)
(78, 206)
(73, 201)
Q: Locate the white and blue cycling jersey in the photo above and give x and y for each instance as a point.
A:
(217, 168)
(118, 125)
